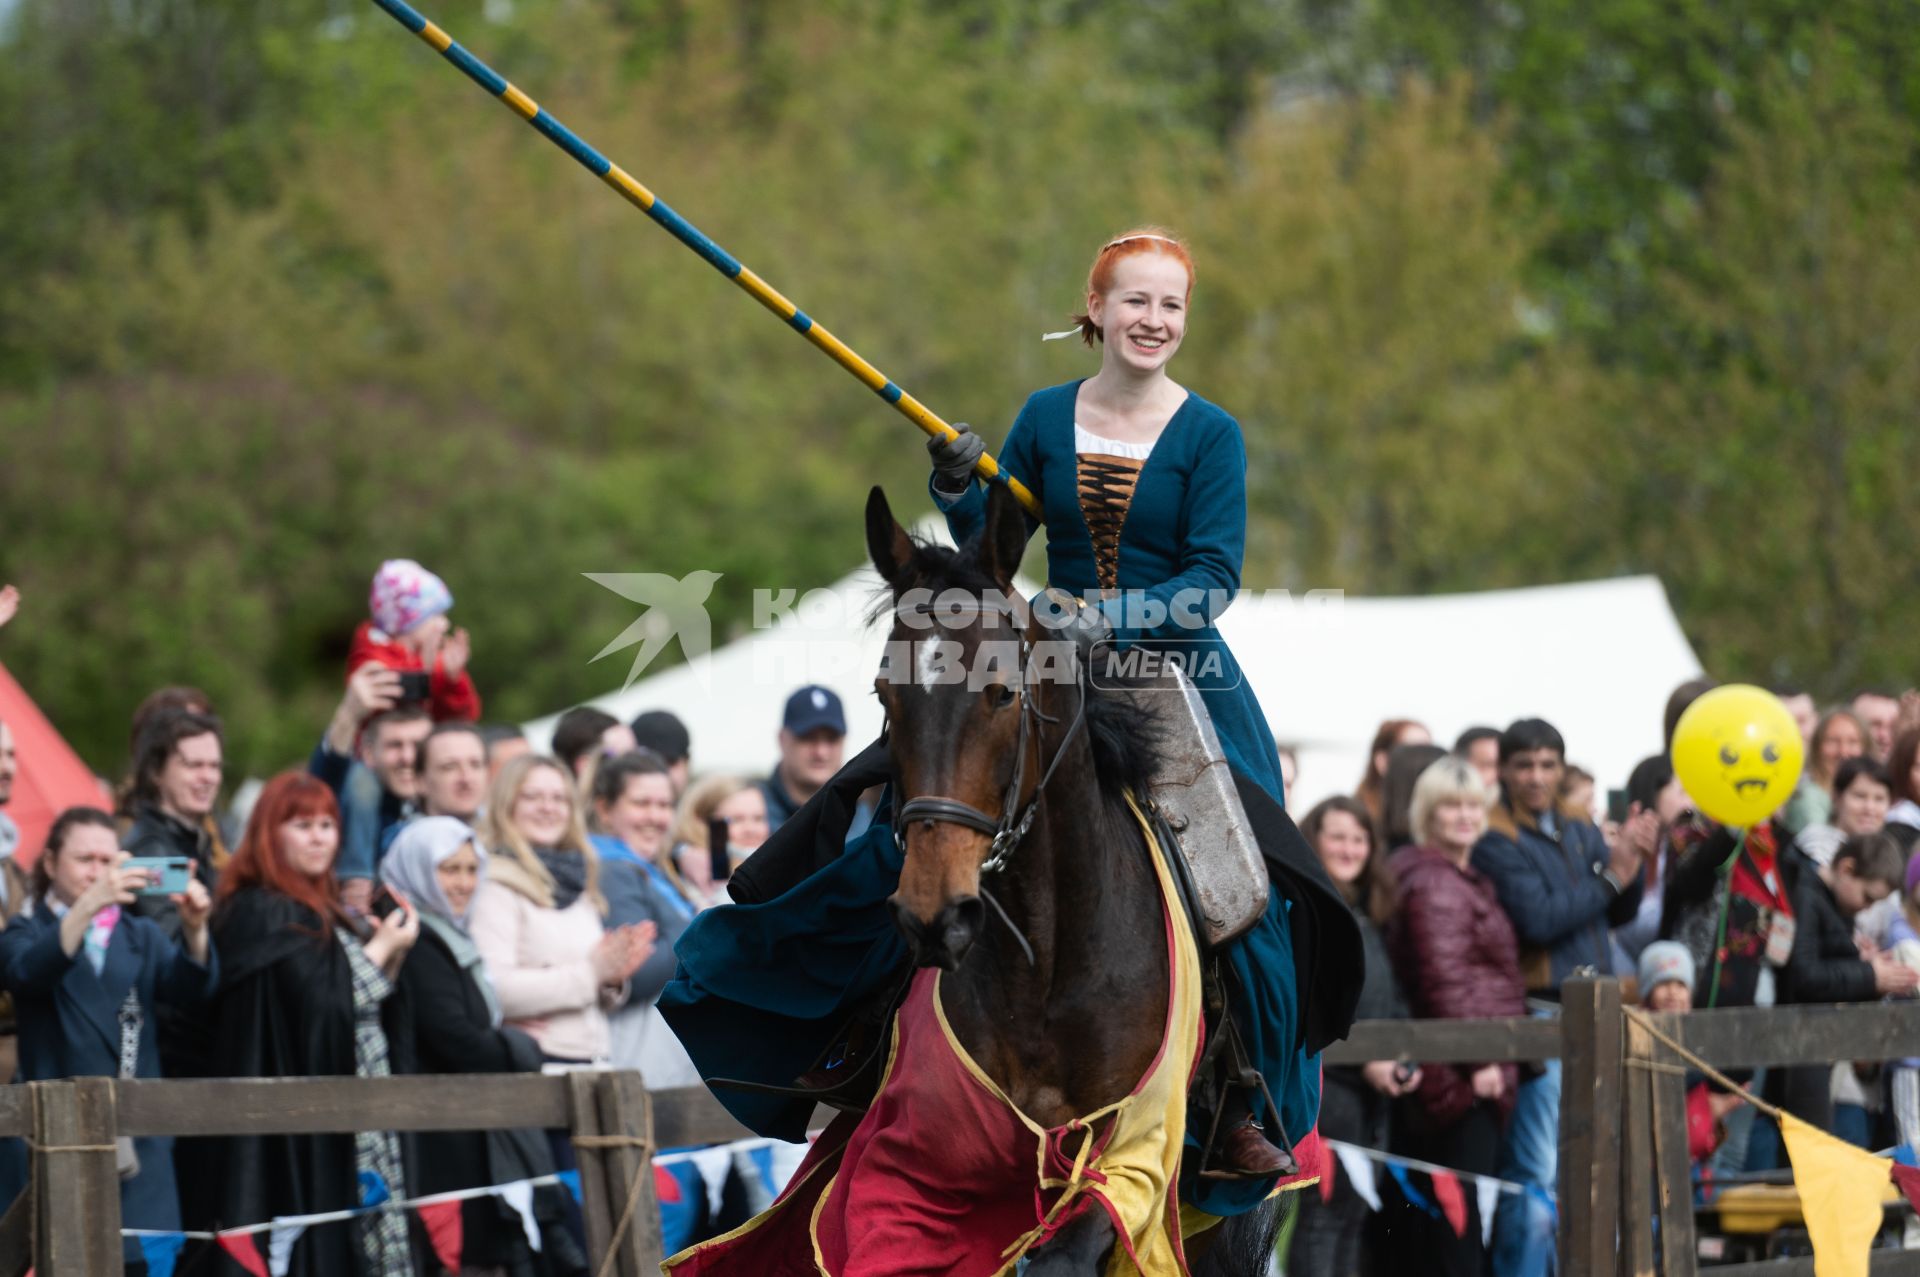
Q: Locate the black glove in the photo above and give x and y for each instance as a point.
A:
(954, 459)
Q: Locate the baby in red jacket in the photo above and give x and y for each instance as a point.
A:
(408, 631)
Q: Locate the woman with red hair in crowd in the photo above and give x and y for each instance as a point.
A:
(303, 995)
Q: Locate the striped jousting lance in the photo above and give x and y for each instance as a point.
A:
(687, 233)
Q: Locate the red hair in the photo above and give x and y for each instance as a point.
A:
(259, 861)
(1141, 239)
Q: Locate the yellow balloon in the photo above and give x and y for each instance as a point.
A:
(1737, 753)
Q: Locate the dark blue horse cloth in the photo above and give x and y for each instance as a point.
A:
(762, 988)
(69, 1023)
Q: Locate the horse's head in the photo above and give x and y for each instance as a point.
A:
(955, 683)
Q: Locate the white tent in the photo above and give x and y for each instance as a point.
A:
(1597, 659)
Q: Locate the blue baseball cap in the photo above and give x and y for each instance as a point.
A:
(814, 707)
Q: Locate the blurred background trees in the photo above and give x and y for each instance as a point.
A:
(1502, 294)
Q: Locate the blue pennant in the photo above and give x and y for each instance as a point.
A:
(373, 1189)
(161, 1253)
(1408, 1191)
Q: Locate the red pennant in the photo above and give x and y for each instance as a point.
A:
(444, 1229)
(1318, 1159)
(665, 1187)
(244, 1250)
(1453, 1202)
(1907, 1180)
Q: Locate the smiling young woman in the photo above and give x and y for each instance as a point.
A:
(1142, 486)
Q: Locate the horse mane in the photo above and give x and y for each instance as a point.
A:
(1124, 732)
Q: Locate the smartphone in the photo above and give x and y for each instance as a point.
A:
(395, 902)
(1617, 806)
(414, 685)
(719, 859)
(168, 875)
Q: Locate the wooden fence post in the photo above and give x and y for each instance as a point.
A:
(1636, 1171)
(76, 1178)
(583, 1100)
(1589, 1187)
(626, 1112)
(1678, 1250)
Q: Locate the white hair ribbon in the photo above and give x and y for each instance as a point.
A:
(1064, 332)
(1164, 239)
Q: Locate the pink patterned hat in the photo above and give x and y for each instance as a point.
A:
(404, 594)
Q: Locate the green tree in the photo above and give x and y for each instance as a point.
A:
(1772, 485)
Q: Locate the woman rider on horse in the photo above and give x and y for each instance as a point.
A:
(1143, 486)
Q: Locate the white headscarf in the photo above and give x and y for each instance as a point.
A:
(411, 870)
(410, 867)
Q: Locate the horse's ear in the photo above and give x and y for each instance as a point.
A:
(887, 542)
(1003, 538)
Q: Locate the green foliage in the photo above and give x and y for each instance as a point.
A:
(1501, 294)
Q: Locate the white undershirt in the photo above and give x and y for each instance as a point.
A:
(1084, 441)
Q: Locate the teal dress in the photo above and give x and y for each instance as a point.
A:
(1158, 541)
(761, 988)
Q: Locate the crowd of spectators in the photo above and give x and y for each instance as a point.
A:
(1484, 877)
(427, 895)
(430, 894)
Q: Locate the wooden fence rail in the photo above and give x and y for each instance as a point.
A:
(1622, 1163)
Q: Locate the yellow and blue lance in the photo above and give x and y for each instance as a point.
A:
(689, 234)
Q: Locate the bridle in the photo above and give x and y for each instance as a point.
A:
(1011, 825)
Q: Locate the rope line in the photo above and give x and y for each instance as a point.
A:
(1641, 1018)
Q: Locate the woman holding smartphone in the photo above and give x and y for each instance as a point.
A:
(86, 975)
(308, 992)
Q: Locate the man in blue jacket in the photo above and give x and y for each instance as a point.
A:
(1564, 890)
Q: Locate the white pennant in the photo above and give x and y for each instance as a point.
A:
(1359, 1170)
(1488, 1193)
(519, 1195)
(280, 1248)
(715, 1164)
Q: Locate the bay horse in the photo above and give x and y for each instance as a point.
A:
(1027, 878)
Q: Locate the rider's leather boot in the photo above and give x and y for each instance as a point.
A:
(1241, 1149)
(1245, 1152)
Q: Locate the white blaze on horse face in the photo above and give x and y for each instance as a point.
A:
(937, 661)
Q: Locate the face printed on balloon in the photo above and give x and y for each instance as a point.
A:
(1738, 752)
(1749, 769)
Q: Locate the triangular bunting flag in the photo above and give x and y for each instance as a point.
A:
(1907, 1179)
(1325, 1171)
(244, 1251)
(666, 1189)
(1359, 1169)
(280, 1248)
(572, 1180)
(161, 1253)
(715, 1165)
(444, 1232)
(1453, 1202)
(373, 1189)
(1487, 1194)
(1841, 1189)
(519, 1195)
(1413, 1195)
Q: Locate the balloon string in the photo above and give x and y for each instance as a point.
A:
(1726, 907)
